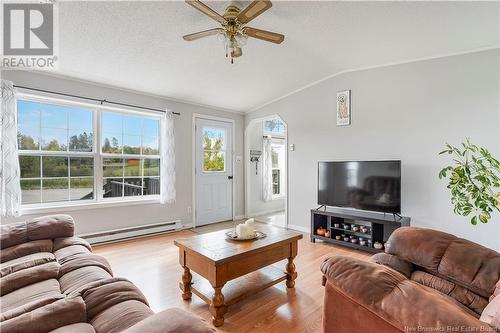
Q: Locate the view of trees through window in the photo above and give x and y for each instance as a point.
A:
(57, 156)
(214, 149)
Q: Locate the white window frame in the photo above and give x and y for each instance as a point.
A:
(98, 200)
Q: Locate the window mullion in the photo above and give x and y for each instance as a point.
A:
(98, 173)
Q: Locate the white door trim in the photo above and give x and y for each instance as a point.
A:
(193, 158)
(247, 157)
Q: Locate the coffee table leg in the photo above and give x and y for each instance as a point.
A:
(218, 307)
(186, 284)
(291, 273)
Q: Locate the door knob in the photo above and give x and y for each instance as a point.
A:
(229, 177)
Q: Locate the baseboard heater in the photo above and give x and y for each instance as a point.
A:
(132, 232)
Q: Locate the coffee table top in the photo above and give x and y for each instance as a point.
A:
(216, 247)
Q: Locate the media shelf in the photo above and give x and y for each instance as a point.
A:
(378, 227)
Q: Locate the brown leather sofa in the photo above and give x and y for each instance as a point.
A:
(426, 281)
(51, 282)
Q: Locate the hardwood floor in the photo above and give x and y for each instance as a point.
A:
(152, 264)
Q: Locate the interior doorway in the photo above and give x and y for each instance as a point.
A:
(266, 180)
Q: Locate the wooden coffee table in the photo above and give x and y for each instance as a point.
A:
(233, 270)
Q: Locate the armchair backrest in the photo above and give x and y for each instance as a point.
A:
(463, 262)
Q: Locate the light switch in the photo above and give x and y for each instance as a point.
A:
(292, 147)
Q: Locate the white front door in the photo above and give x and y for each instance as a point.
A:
(214, 171)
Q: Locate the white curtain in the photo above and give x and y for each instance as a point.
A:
(167, 154)
(10, 188)
(267, 171)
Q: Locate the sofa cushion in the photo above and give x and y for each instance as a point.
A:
(13, 234)
(79, 327)
(468, 264)
(24, 249)
(63, 312)
(80, 260)
(25, 277)
(78, 279)
(50, 227)
(28, 261)
(67, 252)
(104, 294)
(59, 243)
(463, 295)
(491, 313)
(402, 266)
(120, 316)
(171, 321)
(33, 292)
(29, 307)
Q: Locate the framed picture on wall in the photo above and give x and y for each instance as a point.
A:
(344, 108)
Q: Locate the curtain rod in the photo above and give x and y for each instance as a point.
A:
(102, 101)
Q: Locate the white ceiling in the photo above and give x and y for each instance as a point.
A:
(138, 45)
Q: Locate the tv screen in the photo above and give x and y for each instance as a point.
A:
(366, 185)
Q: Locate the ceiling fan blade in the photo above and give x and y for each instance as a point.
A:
(268, 36)
(253, 10)
(206, 10)
(202, 34)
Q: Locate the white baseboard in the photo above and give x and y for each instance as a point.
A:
(266, 212)
(238, 217)
(299, 228)
(132, 232)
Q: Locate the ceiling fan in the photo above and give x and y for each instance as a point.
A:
(233, 31)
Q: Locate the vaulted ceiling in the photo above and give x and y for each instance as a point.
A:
(137, 45)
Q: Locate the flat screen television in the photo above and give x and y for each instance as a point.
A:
(365, 185)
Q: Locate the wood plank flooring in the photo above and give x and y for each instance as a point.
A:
(152, 264)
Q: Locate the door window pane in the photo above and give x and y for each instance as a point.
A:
(214, 162)
(214, 138)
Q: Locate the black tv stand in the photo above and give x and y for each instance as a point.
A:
(380, 226)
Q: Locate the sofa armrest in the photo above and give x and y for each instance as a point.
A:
(172, 320)
(393, 298)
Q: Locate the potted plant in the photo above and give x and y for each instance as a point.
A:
(474, 181)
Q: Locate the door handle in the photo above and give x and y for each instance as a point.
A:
(229, 177)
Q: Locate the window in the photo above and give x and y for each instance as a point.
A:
(278, 168)
(60, 159)
(130, 151)
(214, 149)
(55, 152)
(274, 127)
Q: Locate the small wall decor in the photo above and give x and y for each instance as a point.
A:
(344, 108)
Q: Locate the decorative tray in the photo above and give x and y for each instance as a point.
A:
(231, 234)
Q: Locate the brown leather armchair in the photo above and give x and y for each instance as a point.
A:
(425, 281)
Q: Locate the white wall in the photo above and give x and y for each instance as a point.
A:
(406, 112)
(102, 219)
(255, 203)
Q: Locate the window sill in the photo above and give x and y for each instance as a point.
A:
(63, 207)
